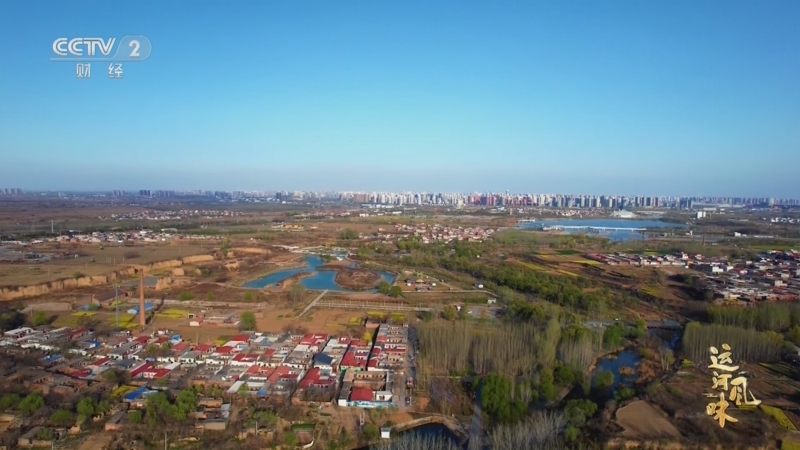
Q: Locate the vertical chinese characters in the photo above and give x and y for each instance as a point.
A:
(723, 371)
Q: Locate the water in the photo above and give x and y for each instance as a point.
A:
(431, 431)
(319, 280)
(614, 235)
(612, 363)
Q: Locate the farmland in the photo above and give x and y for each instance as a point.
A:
(641, 420)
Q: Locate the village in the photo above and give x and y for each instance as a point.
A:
(443, 233)
(310, 370)
(773, 276)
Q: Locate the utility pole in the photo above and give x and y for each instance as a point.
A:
(116, 301)
(165, 441)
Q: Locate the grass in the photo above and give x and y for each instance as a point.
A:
(779, 416)
(568, 252)
(122, 390)
(587, 262)
(126, 321)
(789, 445)
(686, 363)
(375, 314)
(83, 314)
(397, 317)
(566, 272)
(173, 314)
(355, 320)
(650, 290)
(780, 369)
(535, 267)
(66, 321)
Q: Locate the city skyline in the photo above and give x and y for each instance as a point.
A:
(659, 97)
(446, 197)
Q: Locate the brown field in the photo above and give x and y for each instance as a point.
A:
(334, 321)
(94, 261)
(642, 420)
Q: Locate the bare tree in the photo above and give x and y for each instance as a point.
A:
(579, 352)
(666, 357)
(540, 431)
(416, 441)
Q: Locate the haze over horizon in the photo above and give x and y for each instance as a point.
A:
(625, 97)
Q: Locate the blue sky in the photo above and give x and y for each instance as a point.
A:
(617, 97)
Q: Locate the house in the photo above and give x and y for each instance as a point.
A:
(323, 361)
(244, 359)
(317, 386)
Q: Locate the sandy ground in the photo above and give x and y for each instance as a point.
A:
(96, 441)
(641, 420)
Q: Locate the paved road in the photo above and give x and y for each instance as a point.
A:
(313, 303)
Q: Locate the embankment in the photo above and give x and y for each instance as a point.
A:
(18, 292)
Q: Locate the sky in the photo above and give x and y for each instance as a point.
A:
(622, 97)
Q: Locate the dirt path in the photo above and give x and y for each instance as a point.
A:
(313, 303)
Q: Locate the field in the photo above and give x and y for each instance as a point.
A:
(779, 416)
(172, 313)
(93, 260)
(640, 420)
(334, 321)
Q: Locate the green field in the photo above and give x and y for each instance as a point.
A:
(781, 369)
(173, 314)
(779, 416)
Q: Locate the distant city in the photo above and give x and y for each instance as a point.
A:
(389, 199)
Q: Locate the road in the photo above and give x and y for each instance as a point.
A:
(668, 324)
(313, 303)
(476, 428)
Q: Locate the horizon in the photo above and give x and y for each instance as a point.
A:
(154, 193)
(662, 99)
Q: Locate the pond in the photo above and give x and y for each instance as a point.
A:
(318, 280)
(427, 432)
(613, 362)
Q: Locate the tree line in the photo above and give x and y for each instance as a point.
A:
(746, 344)
(778, 317)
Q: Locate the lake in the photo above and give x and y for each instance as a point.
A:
(613, 229)
(318, 280)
